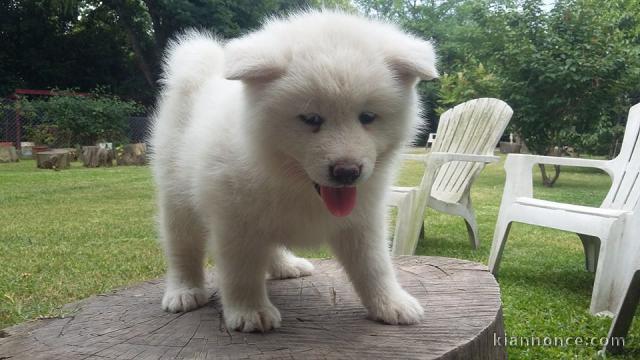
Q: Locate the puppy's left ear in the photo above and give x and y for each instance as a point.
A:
(255, 57)
(412, 58)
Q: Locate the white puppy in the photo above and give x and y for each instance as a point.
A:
(285, 137)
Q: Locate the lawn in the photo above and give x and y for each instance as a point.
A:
(66, 235)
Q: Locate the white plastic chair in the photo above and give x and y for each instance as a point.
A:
(609, 233)
(467, 138)
(625, 311)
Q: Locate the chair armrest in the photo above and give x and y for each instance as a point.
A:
(519, 172)
(442, 157)
(565, 161)
(414, 157)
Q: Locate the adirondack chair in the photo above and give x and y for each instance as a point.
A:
(609, 233)
(467, 138)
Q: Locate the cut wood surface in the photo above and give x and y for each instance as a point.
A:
(53, 159)
(322, 318)
(95, 156)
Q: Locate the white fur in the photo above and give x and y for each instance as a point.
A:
(234, 164)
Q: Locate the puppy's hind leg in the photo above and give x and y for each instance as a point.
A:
(285, 265)
(184, 242)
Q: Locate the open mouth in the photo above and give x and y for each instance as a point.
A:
(340, 201)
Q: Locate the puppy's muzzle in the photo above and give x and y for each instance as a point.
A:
(345, 173)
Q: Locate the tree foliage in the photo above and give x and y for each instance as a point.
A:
(69, 120)
(116, 44)
(571, 73)
(570, 70)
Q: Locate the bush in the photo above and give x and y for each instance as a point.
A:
(471, 83)
(50, 135)
(79, 120)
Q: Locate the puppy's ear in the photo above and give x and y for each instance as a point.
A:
(255, 57)
(411, 58)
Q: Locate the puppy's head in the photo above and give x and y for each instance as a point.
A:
(333, 94)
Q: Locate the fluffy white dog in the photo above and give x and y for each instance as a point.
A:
(285, 137)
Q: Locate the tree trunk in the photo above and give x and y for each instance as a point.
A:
(546, 181)
(94, 156)
(159, 35)
(125, 19)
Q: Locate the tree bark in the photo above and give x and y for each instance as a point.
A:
(8, 154)
(94, 156)
(125, 19)
(159, 34)
(546, 181)
(55, 159)
(133, 154)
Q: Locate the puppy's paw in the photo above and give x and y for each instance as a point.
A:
(290, 267)
(397, 308)
(249, 320)
(183, 299)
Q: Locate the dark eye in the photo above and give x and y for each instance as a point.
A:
(367, 117)
(312, 119)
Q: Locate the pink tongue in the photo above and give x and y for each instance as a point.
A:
(339, 201)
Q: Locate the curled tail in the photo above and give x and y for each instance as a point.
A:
(190, 59)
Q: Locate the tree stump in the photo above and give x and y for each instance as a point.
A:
(73, 153)
(133, 154)
(95, 156)
(56, 159)
(8, 154)
(321, 318)
(510, 148)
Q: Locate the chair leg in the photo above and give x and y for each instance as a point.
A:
(591, 246)
(409, 225)
(624, 316)
(612, 274)
(497, 246)
(472, 232)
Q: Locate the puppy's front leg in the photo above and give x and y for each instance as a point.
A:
(365, 256)
(242, 266)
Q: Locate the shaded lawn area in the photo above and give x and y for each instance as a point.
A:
(70, 234)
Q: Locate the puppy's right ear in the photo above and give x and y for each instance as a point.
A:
(255, 57)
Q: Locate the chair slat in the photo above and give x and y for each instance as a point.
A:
(473, 127)
(625, 190)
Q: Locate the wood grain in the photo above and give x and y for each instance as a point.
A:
(322, 319)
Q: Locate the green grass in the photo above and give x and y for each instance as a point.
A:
(66, 235)
(70, 234)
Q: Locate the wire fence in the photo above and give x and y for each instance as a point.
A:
(16, 129)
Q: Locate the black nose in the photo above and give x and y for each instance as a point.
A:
(344, 173)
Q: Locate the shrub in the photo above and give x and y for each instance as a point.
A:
(79, 120)
(470, 83)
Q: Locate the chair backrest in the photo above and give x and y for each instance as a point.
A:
(473, 127)
(625, 188)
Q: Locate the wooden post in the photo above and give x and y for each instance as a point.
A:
(18, 126)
